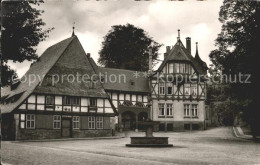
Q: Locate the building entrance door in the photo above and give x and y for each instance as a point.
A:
(128, 121)
(66, 127)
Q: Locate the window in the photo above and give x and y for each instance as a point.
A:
(194, 89)
(171, 68)
(182, 67)
(187, 127)
(177, 67)
(99, 122)
(30, 121)
(93, 102)
(169, 89)
(75, 122)
(56, 121)
(69, 100)
(91, 122)
(187, 68)
(187, 89)
(161, 89)
(66, 100)
(22, 120)
(169, 109)
(191, 70)
(186, 110)
(161, 110)
(75, 101)
(49, 100)
(49, 81)
(194, 110)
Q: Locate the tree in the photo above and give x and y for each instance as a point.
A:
(237, 52)
(21, 33)
(127, 47)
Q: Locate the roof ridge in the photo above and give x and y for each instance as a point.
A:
(120, 69)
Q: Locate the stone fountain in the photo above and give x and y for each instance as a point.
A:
(149, 140)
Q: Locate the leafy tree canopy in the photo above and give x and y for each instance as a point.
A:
(127, 47)
(22, 31)
(238, 52)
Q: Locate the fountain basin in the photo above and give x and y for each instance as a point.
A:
(149, 142)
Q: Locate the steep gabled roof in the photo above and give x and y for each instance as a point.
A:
(180, 53)
(74, 62)
(57, 59)
(40, 68)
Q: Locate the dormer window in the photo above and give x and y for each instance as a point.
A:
(48, 80)
(93, 85)
(132, 82)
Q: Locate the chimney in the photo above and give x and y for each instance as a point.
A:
(165, 55)
(188, 44)
(168, 48)
(179, 35)
(150, 60)
(88, 54)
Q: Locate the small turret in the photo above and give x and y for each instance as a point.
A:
(198, 59)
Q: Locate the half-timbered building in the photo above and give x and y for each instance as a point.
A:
(178, 89)
(56, 99)
(37, 108)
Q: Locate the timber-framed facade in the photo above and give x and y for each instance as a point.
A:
(174, 95)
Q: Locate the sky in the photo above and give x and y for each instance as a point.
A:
(159, 18)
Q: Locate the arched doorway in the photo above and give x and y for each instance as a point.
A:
(128, 120)
(142, 116)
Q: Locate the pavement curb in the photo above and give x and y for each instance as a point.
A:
(71, 139)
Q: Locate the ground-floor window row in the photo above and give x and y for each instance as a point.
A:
(94, 122)
(185, 126)
(166, 110)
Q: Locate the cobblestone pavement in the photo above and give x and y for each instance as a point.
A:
(215, 146)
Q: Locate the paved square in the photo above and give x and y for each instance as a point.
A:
(215, 146)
